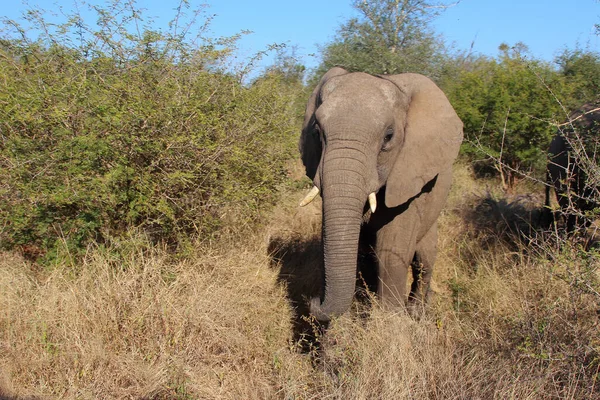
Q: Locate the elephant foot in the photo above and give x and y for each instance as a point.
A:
(417, 306)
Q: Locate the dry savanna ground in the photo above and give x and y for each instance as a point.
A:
(512, 317)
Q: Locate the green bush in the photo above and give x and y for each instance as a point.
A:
(581, 69)
(509, 108)
(104, 130)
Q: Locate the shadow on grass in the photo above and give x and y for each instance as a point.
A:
(300, 263)
(513, 220)
(522, 220)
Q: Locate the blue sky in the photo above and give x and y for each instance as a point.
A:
(545, 26)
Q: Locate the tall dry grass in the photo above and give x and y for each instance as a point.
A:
(510, 319)
(146, 328)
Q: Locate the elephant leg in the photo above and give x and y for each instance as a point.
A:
(395, 250)
(422, 267)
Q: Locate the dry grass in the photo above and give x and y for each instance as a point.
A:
(145, 328)
(506, 322)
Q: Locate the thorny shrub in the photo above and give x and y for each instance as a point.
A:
(111, 127)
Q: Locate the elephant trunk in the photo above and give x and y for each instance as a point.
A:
(344, 197)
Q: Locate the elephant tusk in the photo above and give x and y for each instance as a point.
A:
(310, 196)
(372, 202)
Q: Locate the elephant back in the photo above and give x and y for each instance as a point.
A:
(587, 118)
(579, 136)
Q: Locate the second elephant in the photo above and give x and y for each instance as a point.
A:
(386, 143)
(573, 164)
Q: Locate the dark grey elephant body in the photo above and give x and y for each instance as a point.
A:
(391, 137)
(570, 158)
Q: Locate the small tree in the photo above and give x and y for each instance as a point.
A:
(388, 37)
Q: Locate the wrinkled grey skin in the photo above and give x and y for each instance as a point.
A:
(394, 135)
(574, 190)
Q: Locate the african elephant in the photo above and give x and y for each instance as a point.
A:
(571, 158)
(379, 150)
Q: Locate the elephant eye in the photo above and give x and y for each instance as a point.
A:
(389, 134)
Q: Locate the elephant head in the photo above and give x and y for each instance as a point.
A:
(363, 134)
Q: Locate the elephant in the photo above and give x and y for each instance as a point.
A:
(572, 166)
(379, 150)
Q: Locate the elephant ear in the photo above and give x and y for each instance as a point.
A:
(310, 142)
(433, 134)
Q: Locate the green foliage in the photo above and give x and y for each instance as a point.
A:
(115, 127)
(389, 37)
(509, 107)
(291, 72)
(581, 69)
